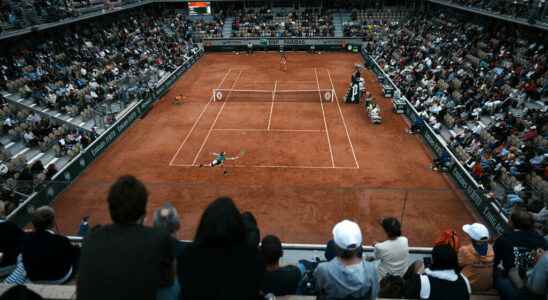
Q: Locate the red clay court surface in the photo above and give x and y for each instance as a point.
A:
(307, 164)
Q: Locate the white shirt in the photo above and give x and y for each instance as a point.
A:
(393, 255)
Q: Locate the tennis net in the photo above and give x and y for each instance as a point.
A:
(240, 95)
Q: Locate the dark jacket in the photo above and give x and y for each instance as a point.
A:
(125, 262)
(444, 285)
(220, 273)
(48, 256)
(10, 242)
(519, 243)
(282, 281)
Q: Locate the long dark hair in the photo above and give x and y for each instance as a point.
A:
(221, 225)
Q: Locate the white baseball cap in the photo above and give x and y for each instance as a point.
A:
(477, 231)
(347, 235)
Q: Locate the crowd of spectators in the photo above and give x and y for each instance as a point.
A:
(78, 73)
(532, 10)
(263, 22)
(118, 61)
(20, 14)
(484, 92)
(129, 259)
(365, 22)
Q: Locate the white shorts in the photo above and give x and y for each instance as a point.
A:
(216, 163)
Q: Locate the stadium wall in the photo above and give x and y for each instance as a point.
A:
(45, 196)
(265, 43)
(488, 210)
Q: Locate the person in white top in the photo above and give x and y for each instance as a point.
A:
(393, 253)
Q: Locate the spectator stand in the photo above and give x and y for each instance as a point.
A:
(13, 23)
(532, 13)
(293, 253)
(364, 22)
(489, 210)
(75, 166)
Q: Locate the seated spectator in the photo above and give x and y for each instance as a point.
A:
(10, 243)
(441, 281)
(476, 259)
(278, 280)
(220, 264)
(126, 260)
(512, 251)
(167, 219)
(537, 281)
(48, 257)
(394, 252)
(347, 275)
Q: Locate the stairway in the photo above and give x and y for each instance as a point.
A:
(227, 27)
(338, 23)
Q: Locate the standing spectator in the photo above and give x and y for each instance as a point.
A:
(512, 249)
(278, 280)
(219, 264)
(47, 256)
(476, 259)
(166, 218)
(441, 281)
(125, 260)
(394, 252)
(10, 243)
(347, 275)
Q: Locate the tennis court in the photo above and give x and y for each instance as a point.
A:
(270, 124)
(306, 160)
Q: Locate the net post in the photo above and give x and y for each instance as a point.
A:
(214, 97)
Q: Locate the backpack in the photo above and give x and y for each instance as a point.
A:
(391, 286)
(307, 285)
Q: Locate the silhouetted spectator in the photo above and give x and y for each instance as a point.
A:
(442, 281)
(219, 264)
(126, 260)
(10, 242)
(278, 280)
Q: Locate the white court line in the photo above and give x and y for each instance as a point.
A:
(272, 105)
(344, 121)
(275, 130)
(20, 153)
(54, 160)
(36, 157)
(215, 121)
(9, 145)
(197, 120)
(324, 121)
(272, 167)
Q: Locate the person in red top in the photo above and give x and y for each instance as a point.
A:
(531, 134)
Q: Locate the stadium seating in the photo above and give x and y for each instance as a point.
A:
(51, 112)
(265, 22)
(475, 116)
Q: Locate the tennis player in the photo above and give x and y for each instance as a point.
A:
(220, 159)
(283, 62)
